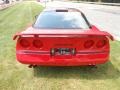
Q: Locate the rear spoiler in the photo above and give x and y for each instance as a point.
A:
(108, 35)
(63, 35)
(16, 36)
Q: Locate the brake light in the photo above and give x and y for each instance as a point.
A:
(24, 43)
(88, 43)
(101, 43)
(37, 43)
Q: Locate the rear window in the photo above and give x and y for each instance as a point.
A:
(61, 20)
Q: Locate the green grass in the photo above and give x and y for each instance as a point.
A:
(16, 76)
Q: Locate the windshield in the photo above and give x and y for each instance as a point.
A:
(61, 20)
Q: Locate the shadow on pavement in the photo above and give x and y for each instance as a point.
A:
(105, 71)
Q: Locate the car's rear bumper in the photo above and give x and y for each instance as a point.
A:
(66, 60)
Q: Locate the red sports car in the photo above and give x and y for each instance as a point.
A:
(62, 37)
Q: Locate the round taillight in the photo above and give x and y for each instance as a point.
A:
(37, 43)
(24, 43)
(88, 43)
(101, 43)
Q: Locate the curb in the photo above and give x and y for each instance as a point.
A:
(5, 6)
(98, 3)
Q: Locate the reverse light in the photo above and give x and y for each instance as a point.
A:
(88, 43)
(37, 43)
(101, 43)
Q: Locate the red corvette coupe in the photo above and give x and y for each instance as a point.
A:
(62, 37)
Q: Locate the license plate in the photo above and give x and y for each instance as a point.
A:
(62, 51)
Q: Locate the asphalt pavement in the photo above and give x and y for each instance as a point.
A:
(106, 18)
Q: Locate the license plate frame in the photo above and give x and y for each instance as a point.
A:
(62, 51)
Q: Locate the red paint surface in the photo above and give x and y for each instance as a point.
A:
(62, 39)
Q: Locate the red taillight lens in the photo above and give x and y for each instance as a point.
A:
(101, 43)
(24, 43)
(37, 43)
(88, 43)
